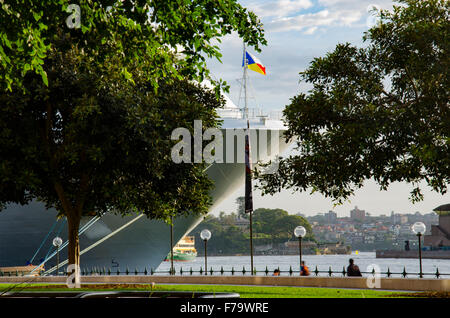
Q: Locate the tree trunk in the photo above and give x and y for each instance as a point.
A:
(73, 224)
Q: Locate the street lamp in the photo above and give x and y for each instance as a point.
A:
(57, 241)
(172, 271)
(419, 229)
(300, 232)
(205, 235)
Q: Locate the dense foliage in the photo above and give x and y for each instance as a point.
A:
(379, 112)
(279, 224)
(135, 31)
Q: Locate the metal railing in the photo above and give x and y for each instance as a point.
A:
(246, 271)
(265, 272)
(253, 113)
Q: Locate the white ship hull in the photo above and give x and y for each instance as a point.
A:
(132, 242)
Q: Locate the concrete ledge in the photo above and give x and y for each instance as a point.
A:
(410, 284)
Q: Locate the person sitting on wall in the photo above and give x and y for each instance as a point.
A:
(276, 272)
(353, 269)
(304, 270)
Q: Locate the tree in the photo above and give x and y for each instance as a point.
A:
(279, 224)
(381, 111)
(264, 219)
(271, 226)
(226, 237)
(85, 146)
(284, 227)
(89, 101)
(240, 202)
(138, 30)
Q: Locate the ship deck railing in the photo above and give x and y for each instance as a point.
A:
(253, 113)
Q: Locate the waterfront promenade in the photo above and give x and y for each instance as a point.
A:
(381, 283)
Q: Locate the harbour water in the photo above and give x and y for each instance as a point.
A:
(323, 263)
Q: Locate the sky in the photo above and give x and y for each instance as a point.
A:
(297, 31)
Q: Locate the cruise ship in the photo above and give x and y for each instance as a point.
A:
(133, 242)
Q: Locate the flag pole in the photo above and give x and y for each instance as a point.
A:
(171, 246)
(245, 84)
(248, 176)
(251, 213)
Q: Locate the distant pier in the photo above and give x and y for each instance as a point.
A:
(438, 254)
(437, 243)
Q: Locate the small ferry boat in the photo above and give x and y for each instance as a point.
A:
(22, 270)
(184, 250)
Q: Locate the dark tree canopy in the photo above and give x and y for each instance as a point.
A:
(93, 141)
(379, 112)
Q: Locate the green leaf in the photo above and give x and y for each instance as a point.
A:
(44, 76)
(37, 16)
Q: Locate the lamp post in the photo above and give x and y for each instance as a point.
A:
(172, 272)
(419, 229)
(57, 241)
(205, 235)
(300, 232)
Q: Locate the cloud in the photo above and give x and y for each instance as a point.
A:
(308, 16)
(311, 30)
(278, 8)
(296, 32)
(311, 21)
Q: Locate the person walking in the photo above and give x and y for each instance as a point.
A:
(353, 269)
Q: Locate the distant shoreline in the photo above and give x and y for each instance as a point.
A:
(304, 254)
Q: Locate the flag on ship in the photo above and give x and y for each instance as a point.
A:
(248, 176)
(253, 63)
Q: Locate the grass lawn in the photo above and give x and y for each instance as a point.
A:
(280, 292)
(243, 291)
